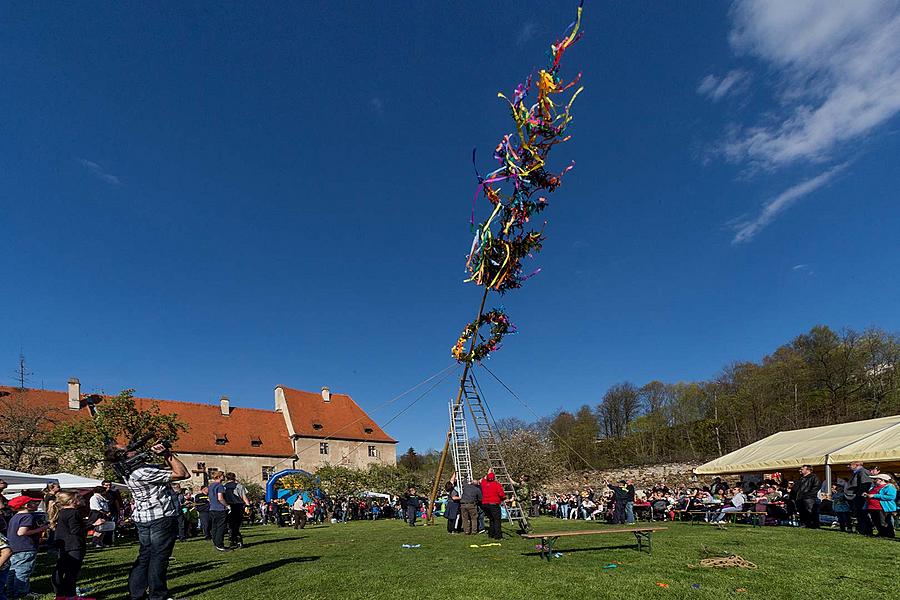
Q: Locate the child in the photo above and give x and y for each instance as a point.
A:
(23, 535)
(66, 520)
(840, 507)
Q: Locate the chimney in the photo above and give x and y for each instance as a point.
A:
(326, 394)
(225, 406)
(74, 394)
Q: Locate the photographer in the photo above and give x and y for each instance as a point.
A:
(155, 515)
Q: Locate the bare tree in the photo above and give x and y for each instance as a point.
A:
(620, 406)
(24, 431)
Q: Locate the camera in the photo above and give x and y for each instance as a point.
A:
(124, 465)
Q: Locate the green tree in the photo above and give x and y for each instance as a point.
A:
(81, 443)
(411, 460)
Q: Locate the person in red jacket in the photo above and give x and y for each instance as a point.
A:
(492, 495)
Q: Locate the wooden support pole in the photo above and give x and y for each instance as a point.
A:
(429, 514)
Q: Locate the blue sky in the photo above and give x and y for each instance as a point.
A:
(198, 200)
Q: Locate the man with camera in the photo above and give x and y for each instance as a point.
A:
(155, 514)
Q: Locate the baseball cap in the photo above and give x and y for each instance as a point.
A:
(19, 501)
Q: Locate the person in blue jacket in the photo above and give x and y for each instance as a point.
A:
(882, 504)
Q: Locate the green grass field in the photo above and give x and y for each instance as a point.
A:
(365, 560)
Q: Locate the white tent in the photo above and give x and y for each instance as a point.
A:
(375, 495)
(66, 481)
(873, 441)
(25, 481)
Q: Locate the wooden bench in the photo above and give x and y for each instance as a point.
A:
(641, 535)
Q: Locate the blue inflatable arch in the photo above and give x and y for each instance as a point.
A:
(290, 495)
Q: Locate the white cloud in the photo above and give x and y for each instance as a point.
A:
(747, 229)
(799, 267)
(836, 67)
(99, 172)
(716, 88)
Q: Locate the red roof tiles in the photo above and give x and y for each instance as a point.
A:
(340, 419)
(205, 422)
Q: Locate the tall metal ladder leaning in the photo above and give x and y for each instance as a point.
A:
(459, 444)
(491, 450)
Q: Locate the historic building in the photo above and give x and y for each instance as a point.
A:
(304, 431)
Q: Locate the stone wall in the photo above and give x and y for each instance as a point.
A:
(343, 452)
(247, 468)
(676, 474)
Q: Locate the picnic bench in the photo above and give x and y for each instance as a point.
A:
(642, 535)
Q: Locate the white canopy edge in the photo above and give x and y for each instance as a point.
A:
(29, 481)
(872, 440)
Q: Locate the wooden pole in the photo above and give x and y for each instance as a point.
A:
(429, 515)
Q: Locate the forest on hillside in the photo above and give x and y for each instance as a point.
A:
(819, 378)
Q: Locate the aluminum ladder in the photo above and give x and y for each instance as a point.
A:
(459, 444)
(491, 450)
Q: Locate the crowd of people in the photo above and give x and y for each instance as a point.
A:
(866, 502)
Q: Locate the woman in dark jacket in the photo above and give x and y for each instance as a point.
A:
(68, 524)
(452, 511)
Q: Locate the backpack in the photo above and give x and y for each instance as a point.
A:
(231, 498)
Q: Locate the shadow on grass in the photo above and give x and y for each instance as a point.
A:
(277, 541)
(200, 588)
(116, 585)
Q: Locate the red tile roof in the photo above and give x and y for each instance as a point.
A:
(340, 419)
(205, 423)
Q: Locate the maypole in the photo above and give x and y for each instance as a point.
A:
(504, 240)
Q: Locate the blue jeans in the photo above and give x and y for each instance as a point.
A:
(629, 512)
(21, 564)
(4, 573)
(156, 539)
(725, 511)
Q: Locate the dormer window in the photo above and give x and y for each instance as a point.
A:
(221, 439)
(256, 442)
(368, 430)
(317, 426)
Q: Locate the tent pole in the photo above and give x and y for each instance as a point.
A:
(827, 476)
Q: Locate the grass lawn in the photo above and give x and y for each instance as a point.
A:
(365, 560)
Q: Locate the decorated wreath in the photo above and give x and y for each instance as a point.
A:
(500, 326)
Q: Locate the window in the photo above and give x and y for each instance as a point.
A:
(368, 430)
(256, 442)
(267, 472)
(221, 439)
(372, 451)
(212, 470)
(201, 466)
(323, 447)
(317, 426)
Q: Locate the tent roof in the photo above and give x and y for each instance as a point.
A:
(17, 478)
(19, 482)
(68, 481)
(873, 440)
